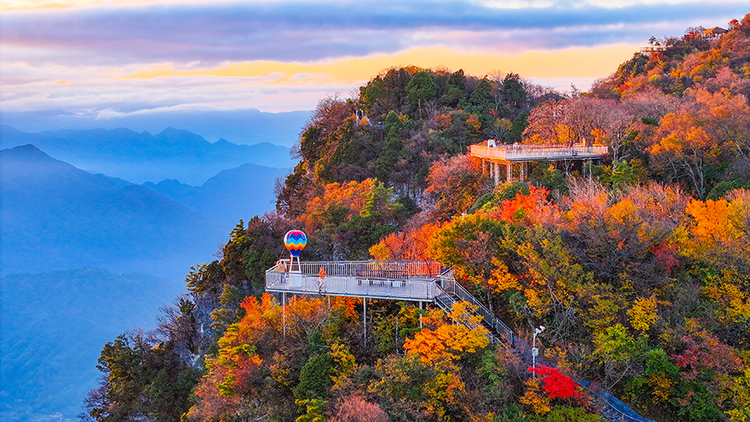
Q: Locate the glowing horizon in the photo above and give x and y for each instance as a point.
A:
(118, 57)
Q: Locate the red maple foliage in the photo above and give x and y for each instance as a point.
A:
(555, 383)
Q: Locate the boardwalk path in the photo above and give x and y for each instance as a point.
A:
(419, 281)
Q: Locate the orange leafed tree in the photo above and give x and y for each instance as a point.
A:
(412, 243)
(719, 231)
(347, 199)
(686, 149)
(252, 348)
(713, 220)
(447, 341)
(530, 209)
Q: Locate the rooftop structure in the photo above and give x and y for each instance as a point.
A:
(714, 32)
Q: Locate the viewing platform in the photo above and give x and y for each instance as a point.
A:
(494, 155)
(422, 281)
(397, 280)
(416, 281)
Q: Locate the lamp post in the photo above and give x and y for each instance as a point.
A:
(534, 350)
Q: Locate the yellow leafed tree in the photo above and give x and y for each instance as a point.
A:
(447, 341)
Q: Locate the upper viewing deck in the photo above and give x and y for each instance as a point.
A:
(535, 152)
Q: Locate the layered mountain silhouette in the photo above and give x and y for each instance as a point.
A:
(60, 224)
(140, 157)
(56, 216)
(231, 195)
(240, 126)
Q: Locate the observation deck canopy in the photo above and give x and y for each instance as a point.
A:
(397, 280)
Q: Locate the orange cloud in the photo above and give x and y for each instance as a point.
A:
(594, 62)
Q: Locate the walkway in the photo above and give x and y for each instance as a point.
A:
(419, 281)
(396, 280)
(493, 156)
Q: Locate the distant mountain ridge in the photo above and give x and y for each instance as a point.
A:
(230, 195)
(246, 127)
(140, 157)
(55, 216)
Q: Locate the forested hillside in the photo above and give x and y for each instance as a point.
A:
(640, 271)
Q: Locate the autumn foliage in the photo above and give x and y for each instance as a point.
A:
(556, 384)
(447, 341)
(638, 265)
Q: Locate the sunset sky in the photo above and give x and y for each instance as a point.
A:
(114, 58)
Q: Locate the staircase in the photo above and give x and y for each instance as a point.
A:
(416, 281)
(451, 291)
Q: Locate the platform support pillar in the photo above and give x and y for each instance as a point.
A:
(364, 318)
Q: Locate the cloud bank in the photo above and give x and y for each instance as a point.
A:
(286, 55)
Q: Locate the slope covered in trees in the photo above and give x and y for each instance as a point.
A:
(639, 271)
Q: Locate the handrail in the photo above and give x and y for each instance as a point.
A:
(451, 285)
(624, 413)
(446, 301)
(415, 288)
(378, 279)
(519, 152)
(404, 269)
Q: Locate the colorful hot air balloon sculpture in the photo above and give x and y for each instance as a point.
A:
(295, 241)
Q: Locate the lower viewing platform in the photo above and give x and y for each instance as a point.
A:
(396, 280)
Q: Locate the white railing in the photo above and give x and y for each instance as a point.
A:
(413, 288)
(537, 151)
(375, 269)
(450, 285)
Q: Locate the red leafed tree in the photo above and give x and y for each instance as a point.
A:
(665, 256)
(355, 409)
(455, 183)
(527, 209)
(555, 383)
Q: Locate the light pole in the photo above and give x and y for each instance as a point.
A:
(534, 350)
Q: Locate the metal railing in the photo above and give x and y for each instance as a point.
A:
(383, 269)
(611, 407)
(537, 151)
(448, 284)
(381, 286)
(403, 280)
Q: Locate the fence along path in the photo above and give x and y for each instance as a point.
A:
(424, 281)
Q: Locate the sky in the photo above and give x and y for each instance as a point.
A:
(115, 58)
